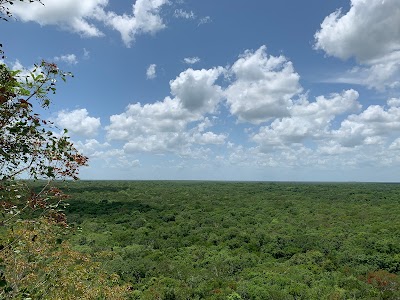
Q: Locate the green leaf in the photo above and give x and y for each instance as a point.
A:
(3, 283)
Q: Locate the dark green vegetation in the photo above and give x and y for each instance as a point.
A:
(215, 240)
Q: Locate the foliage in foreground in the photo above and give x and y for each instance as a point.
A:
(39, 264)
(34, 261)
(210, 240)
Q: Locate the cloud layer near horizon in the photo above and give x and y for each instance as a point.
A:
(283, 126)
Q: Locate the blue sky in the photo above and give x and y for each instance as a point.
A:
(222, 90)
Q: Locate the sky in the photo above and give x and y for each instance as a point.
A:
(221, 90)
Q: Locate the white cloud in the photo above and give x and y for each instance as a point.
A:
(330, 132)
(372, 126)
(75, 15)
(191, 60)
(67, 58)
(307, 120)
(109, 157)
(377, 74)
(210, 138)
(84, 17)
(285, 158)
(151, 71)
(145, 18)
(196, 89)
(369, 33)
(395, 102)
(163, 126)
(331, 147)
(180, 13)
(123, 162)
(91, 147)
(159, 117)
(78, 122)
(263, 87)
(312, 136)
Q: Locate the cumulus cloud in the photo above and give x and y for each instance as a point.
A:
(210, 138)
(263, 87)
(67, 58)
(368, 137)
(151, 71)
(109, 157)
(78, 122)
(143, 120)
(163, 126)
(331, 132)
(91, 147)
(394, 102)
(74, 15)
(372, 126)
(307, 120)
(292, 129)
(84, 17)
(145, 18)
(196, 90)
(370, 33)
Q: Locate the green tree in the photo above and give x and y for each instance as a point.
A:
(30, 146)
(35, 261)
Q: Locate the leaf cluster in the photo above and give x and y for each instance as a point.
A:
(30, 148)
(29, 144)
